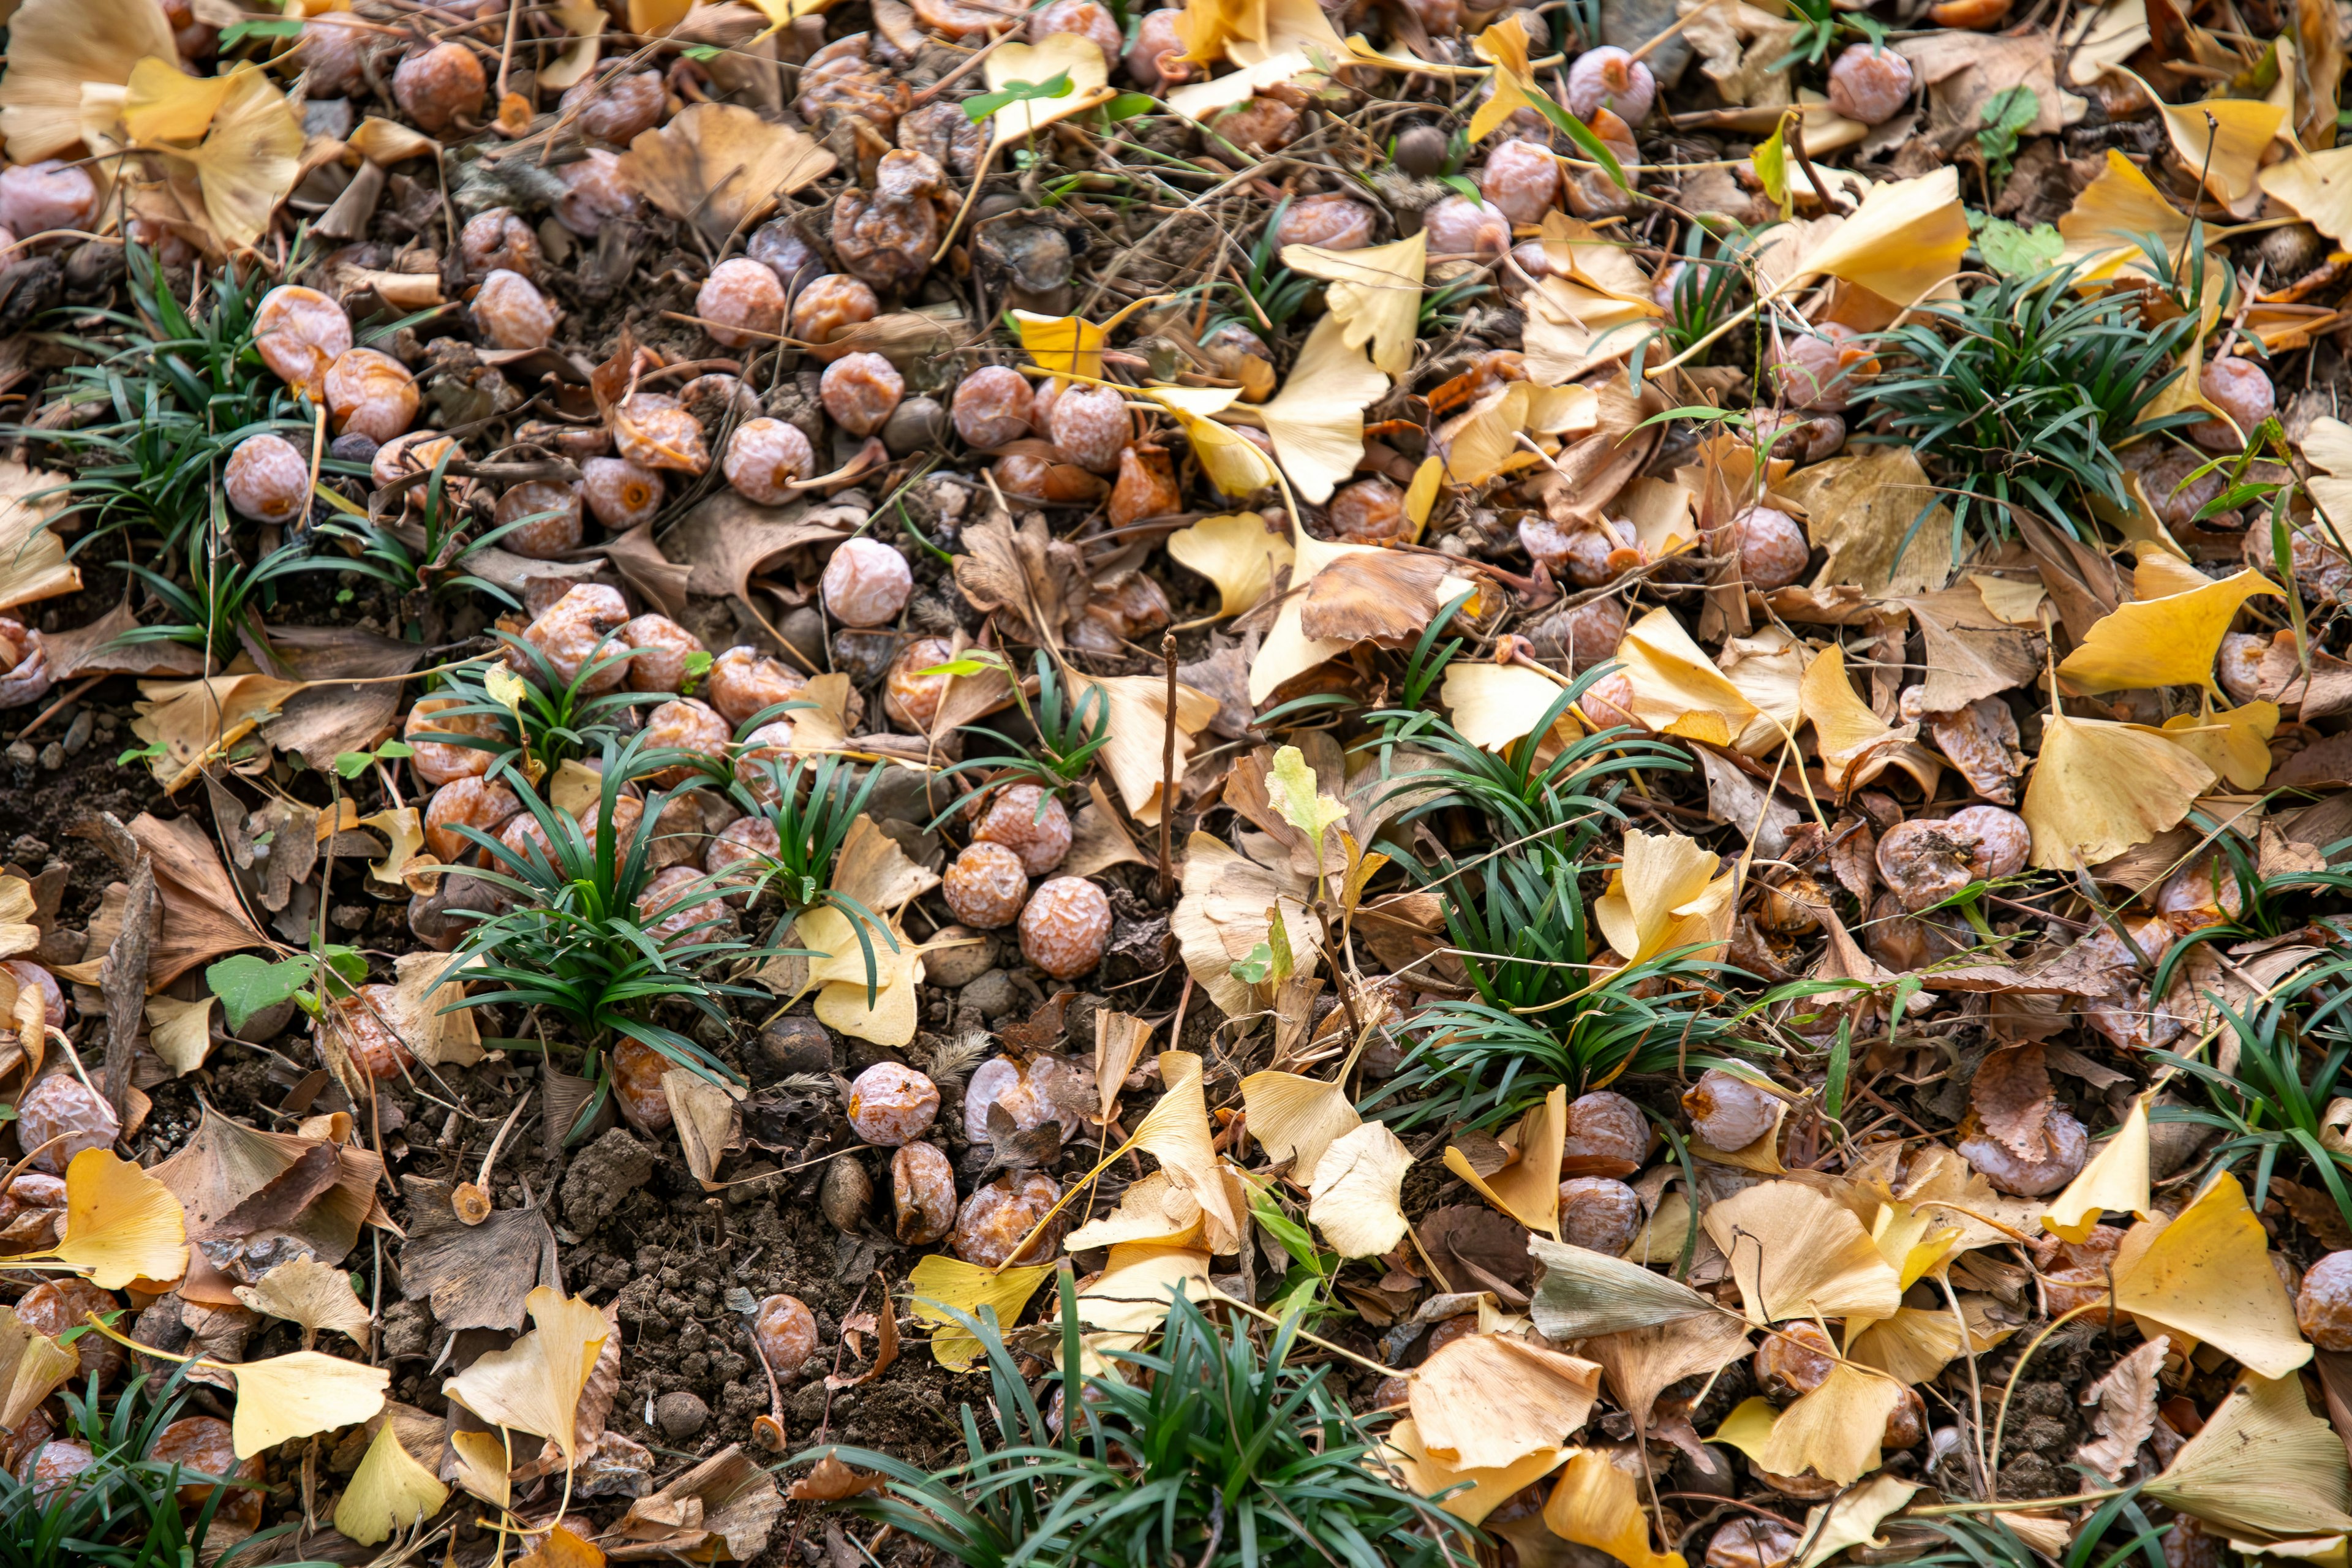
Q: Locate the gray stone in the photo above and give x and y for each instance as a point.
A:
(994, 993)
(908, 795)
(22, 754)
(955, 967)
(805, 630)
(680, 1414)
(53, 755)
(916, 425)
(78, 732)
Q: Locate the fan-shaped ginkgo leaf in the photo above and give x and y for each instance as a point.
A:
(122, 1224)
(534, 1384)
(299, 1395)
(389, 1493)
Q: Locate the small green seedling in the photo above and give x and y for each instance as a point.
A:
(247, 985)
(351, 764)
(979, 107)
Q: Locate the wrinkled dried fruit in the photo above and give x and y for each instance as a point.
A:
(908, 695)
(739, 852)
(49, 194)
(2241, 389)
(985, 885)
(1773, 547)
(922, 1187)
(687, 725)
(554, 507)
(745, 682)
(764, 761)
(997, 1215)
(298, 331)
(1457, 226)
(1816, 370)
(764, 456)
(1521, 181)
(1090, 425)
(361, 1024)
(1367, 511)
(993, 406)
(54, 1306)
(678, 908)
(886, 236)
(859, 391)
(827, 307)
(622, 494)
(62, 1106)
(892, 1105)
(498, 240)
(1145, 487)
(2067, 1147)
(473, 802)
(204, 1446)
(1030, 823)
(1257, 125)
(615, 107)
(371, 394)
(653, 430)
(1065, 927)
(663, 648)
(595, 193)
(740, 302)
(841, 83)
(1598, 1213)
(1869, 83)
(1794, 1361)
(440, 86)
(1607, 1135)
(439, 762)
(1084, 18)
(1331, 221)
(1729, 1110)
(509, 311)
(1608, 77)
(786, 1329)
(267, 480)
(866, 582)
(577, 630)
(780, 250)
(1156, 58)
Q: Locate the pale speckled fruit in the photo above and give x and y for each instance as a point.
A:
(687, 725)
(439, 762)
(595, 193)
(764, 761)
(1610, 77)
(866, 582)
(859, 391)
(985, 885)
(1065, 927)
(267, 480)
(1329, 221)
(1090, 424)
(499, 240)
(622, 494)
(1773, 547)
(1156, 58)
(892, 1105)
(2066, 1148)
(764, 456)
(663, 648)
(1599, 1213)
(371, 394)
(1812, 369)
(207, 1446)
(298, 331)
(438, 86)
(738, 852)
(1029, 822)
(2002, 840)
(786, 1331)
(1000, 1213)
(993, 405)
(1752, 1542)
(923, 1191)
(637, 1071)
(475, 802)
(333, 52)
(55, 1306)
(49, 194)
(61, 1104)
(1521, 181)
(1084, 18)
(1869, 83)
(1369, 511)
(1729, 1111)
(555, 509)
(678, 907)
(509, 311)
(1924, 862)
(362, 1025)
(739, 299)
(910, 695)
(1457, 228)
(574, 632)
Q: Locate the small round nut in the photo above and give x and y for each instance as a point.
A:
(892, 1105)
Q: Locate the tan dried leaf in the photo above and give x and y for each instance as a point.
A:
(722, 165)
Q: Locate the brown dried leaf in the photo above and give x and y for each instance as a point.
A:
(1372, 594)
(720, 166)
(475, 1277)
(1024, 572)
(2127, 1398)
(2012, 1097)
(725, 540)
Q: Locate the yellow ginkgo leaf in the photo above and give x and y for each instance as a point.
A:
(1504, 46)
(1295, 792)
(1152, 1210)
(58, 49)
(314, 1294)
(1664, 896)
(1474, 1493)
(1597, 1505)
(166, 104)
(249, 160)
(1233, 463)
(1797, 1253)
(1853, 1520)
(1236, 552)
(1528, 1189)
(179, 1032)
(1917, 1342)
(1910, 1241)
(2167, 641)
(2113, 1181)
(1375, 294)
(389, 1493)
(1486, 440)
(388, 142)
(534, 1384)
(1845, 730)
(2208, 1274)
(2263, 1467)
(1494, 704)
(1749, 1428)
(583, 23)
(2100, 787)
(649, 18)
(1677, 689)
(298, 1395)
(1137, 1284)
(1422, 494)
(2103, 229)
(1176, 1132)
(1355, 1197)
(1296, 1118)
(1317, 421)
(482, 1468)
(2225, 138)
(1080, 58)
(120, 1224)
(32, 1367)
(940, 1285)
(2318, 186)
(1484, 1400)
(1905, 238)
(2233, 742)
(1833, 1431)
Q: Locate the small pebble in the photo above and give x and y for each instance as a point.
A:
(53, 755)
(78, 734)
(680, 1414)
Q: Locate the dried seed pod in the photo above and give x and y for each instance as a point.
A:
(846, 1195)
(1729, 1110)
(298, 331)
(2067, 1146)
(787, 1330)
(922, 1185)
(1607, 1135)
(865, 582)
(61, 1107)
(554, 508)
(497, 240)
(998, 1216)
(1600, 1213)
(267, 480)
(440, 86)
(1065, 927)
(740, 302)
(474, 802)
(892, 1105)
(622, 494)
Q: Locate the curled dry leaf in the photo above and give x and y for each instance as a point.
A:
(1237, 552)
(1485, 1400)
(1354, 1196)
(534, 1386)
(2127, 1400)
(312, 1294)
(1598, 1504)
(720, 166)
(1798, 1253)
(940, 1287)
(1474, 1493)
(1375, 294)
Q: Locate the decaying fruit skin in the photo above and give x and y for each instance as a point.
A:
(2067, 1147)
(994, 1219)
(2323, 1308)
(1030, 823)
(892, 1105)
(787, 1333)
(841, 82)
(60, 1106)
(1599, 1213)
(1065, 928)
(993, 406)
(1795, 1360)
(886, 236)
(828, 306)
(922, 1187)
(985, 885)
